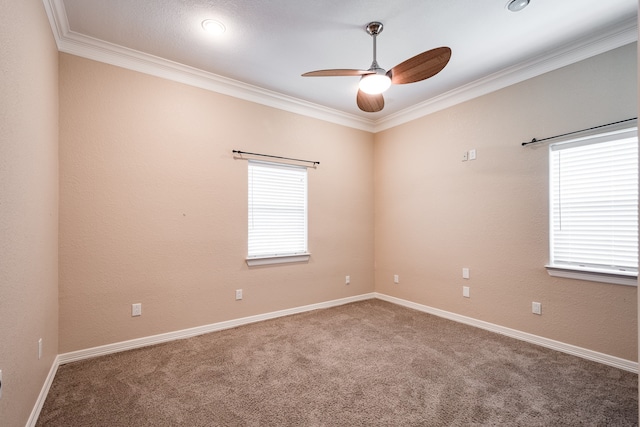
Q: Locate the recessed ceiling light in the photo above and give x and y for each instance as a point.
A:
(214, 27)
(517, 5)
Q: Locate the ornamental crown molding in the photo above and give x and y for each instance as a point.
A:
(77, 44)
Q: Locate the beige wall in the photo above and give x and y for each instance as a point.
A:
(28, 205)
(153, 207)
(436, 214)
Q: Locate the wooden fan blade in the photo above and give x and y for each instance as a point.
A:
(370, 103)
(422, 66)
(338, 72)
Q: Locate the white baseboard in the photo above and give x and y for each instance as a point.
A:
(606, 359)
(191, 332)
(103, 350)
(584, 353)
(35, 412)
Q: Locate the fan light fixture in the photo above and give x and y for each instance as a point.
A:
(517, 5)
(374, 84)
(213, 27)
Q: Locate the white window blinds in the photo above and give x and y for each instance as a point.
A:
(277, 209)
(594, 202)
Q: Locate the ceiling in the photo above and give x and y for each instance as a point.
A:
(268, 44)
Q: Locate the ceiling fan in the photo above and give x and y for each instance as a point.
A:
(376, 80)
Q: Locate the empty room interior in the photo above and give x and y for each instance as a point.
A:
(124, 206)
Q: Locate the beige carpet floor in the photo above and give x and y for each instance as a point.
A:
(369, 363)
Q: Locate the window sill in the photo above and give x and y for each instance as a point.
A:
(278, 259)
(622, 278)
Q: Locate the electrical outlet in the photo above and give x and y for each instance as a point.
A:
(465, 156)
(238, 294)
(396, 278)
(472, 154)
(465, 291)
(40, 349)
(465, 273)
(536, 308)
(347, 280)
(136, 309)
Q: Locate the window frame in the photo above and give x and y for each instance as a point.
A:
(589, 273)
(276, 256)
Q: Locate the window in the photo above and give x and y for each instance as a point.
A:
(594, 207)
(277, 213)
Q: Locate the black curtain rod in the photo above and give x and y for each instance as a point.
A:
(533, 141)
(276, 157)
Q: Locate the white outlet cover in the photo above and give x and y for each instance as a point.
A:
(136, 309)
(396, 278)
(347, 279)
(465, 291)
(465, 273)
(536, 308)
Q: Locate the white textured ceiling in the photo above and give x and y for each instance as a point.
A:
(269, 44)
